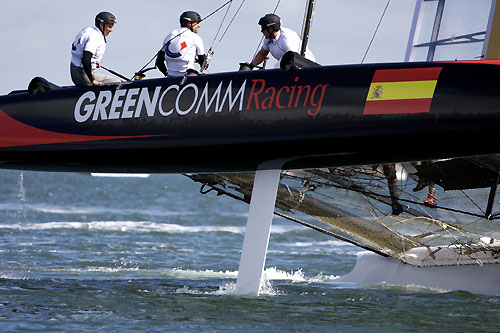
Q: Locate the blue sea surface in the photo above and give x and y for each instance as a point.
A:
(83, 253)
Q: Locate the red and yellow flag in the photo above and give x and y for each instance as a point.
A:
(397, 91)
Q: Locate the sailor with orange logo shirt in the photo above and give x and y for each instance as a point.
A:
(182, 48)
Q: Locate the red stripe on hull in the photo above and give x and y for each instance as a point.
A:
(13, 133)
(407, 74)
(485, 62)
(399, 106)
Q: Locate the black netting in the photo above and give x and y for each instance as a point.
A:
(421, 212)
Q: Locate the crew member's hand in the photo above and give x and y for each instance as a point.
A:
(97, 65)
(96, 83)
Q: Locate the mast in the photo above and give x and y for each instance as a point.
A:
(454, 30)
(414, 31)
(491, 46)
(306, 28)
(435, 30)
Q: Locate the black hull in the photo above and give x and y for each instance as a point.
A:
(314, 117)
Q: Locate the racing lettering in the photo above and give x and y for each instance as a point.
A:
(262, 98)
(204, 98)
(229, 94)
(103, 101)
(88, 109)
(113, 114)
(179, 96)
(160, 105)
(130, 103)
(149, 103)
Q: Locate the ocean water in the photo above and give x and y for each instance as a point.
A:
(81, 253)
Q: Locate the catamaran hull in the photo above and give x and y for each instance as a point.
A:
(372, 268)
(315, 117)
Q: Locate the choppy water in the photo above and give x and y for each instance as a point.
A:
(82, 253)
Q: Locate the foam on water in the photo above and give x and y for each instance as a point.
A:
(266, 286)
(103, 269)
(135, 226)
(94, 210)
(12, 277)
(124, 226)
(270, 274)
(206, 274)
(229, 289)
(332, 242)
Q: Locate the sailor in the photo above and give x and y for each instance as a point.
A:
(87, 51)
(431, 200)
(389, 170)
(182, 48)
(278, 40)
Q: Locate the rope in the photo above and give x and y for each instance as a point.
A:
(208, 56)
(376, 30)
(211, 51)
(215, 11)
(221, 24)
(221, 191)
(231, 22)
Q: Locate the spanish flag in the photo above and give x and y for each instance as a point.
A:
(399, 91)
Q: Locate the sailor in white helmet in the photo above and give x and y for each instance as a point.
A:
(87, 51)
(278, 40)
(182, 48)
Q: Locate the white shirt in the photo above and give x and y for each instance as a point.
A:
(181, 51)
(286, 40)
(89, 39)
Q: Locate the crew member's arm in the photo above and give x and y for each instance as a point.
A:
(259, 57)
(160, 62)
(201, 59)
(200, 52)
(87, 67)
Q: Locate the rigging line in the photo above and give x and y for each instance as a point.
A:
(231, 22)
(206, 17)
(381, 222)
(473, 202)
(368, 193)
(258, 46)
(296, 220)
(214, 45)
(262, 38)
(221, 24)
(215, 11)
(330, 233)
(463, 192)
(376, 30)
